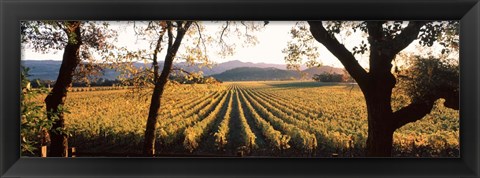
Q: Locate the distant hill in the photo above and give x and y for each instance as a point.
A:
(256, 74)
(44, 70)
(222, 67)
(270, 73)
(48, 70)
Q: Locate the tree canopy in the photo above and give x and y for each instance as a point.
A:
(383, 41)
(52, 36)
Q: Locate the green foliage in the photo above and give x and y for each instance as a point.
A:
(193, 79)
(194, 134)
(304, 46)
(223, 129)
(293, 117)
(300, 139)
(392, 28)
(52, 36)
(428, 78)
(33, 119)
(276, 139)
(361, 49)
(248, 137)
(445, 33)
(329, 77)
(301, 48)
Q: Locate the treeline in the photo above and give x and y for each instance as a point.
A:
(192, 79)
(37, 83)
(332, 77)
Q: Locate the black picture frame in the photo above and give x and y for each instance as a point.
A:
(13, 11)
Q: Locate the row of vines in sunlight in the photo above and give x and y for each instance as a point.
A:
(254, 118)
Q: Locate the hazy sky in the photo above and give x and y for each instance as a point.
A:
(272, 40)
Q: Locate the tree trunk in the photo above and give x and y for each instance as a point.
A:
(378, 95)
(56, 98)
(149, 142)
(380, 132)
(149, 145)
(380, 120)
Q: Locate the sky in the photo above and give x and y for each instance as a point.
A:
(272, 39)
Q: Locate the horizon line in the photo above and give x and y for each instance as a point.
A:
(303, 65)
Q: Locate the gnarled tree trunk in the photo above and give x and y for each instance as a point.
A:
(380, 129)
(377, 84)
(378, 92)
(56, 98)
(380, 116)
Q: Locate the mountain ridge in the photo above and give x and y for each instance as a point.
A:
(270, 73)
(48, 69)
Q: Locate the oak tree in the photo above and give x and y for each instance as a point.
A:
(79, 41)
(384, 41)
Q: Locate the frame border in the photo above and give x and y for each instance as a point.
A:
(13, 11)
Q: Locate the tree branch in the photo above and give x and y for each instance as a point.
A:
(158, 48)
(246, 27)
(200, 38)
(63, 28)
(418, 109)
(173, 47)
(378, 44)
(407, 36)
(186, 26)
(167, 67)
(411, 113)
(223, 31)
(346, 57)
(375, 31)
(170, 36)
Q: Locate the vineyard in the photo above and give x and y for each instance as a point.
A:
(300, 119)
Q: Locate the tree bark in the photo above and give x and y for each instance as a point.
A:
(378, 95)
(380, 127)
(380, 136)
(56, 98)
(380, 121)
(149, 142)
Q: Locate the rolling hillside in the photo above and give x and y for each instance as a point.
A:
(227, 71)
(270, 73)
(256, 74)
